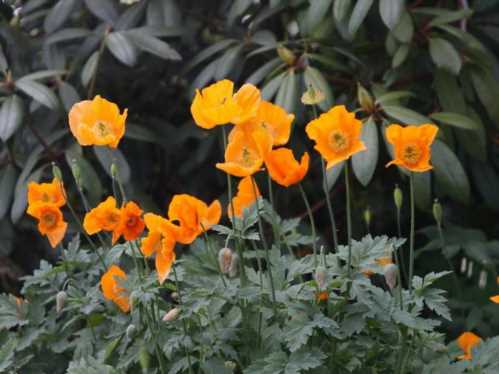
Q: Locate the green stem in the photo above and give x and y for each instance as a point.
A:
(329, 205)
(312, 224)
(184, 326)
(401, 252)
(210, 249)
(275, 226)
(102, 45)
(454, 276)
(265, 245)
(411, 238)
(349, 222)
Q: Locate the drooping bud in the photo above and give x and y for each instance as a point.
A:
(390, 272)
(470, 270)
(286, 55)
(437, 212)
(231, 365)
(114, 171)
(131, 330)
(367, 216)
(365, 99)
(224, 260)
(398, 197)
(320, 277)
(171, 315)
(56, 172)
(464, 265)
(174, 295)
(144, 358)
(482, 280)
(60, 300)
(75, 169)
(234, 265)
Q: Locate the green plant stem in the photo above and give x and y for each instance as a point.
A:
(454, 276)
(91, 87)
(403, 275)
(329, 205)
(275, 226)
(312, 224)
(265, 245)
(210, 249)
(349, 222)
(184, 326)
(411, 238)
(399, 282)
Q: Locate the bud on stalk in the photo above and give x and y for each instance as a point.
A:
(437, 212)
(286, 55)
(171, 315)
(225, 259)
(56, 172)
(320, 277)
(367, 216)
(398, 197)
(365, 99)
(60, 300)
(131, 330)
(75, 169)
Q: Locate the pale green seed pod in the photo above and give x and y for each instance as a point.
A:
(398, 197)
(144, 359)
(365, 99)
(114, 171)
(286, 55)
(131, 331)
(234, 265)
(56, 172)
(75, 169)
(437, 212)
(367, 216)
(225, 259)
(60, 300)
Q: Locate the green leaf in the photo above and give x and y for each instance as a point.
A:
(487, 89)
(38, 91)
(315, 13)
(390, 11)
(422, 190)
(364, 163)
(120, 45)
(208, 52)
(304, 360)
(449, 172)
(228, 62)
(58, 15)
(341, 9)
(131, 17)
(445, 56)
(359, 13)
(67, 34)
(7, 350)
(407, 116)
(271, 87)
(263, 71)
(11, 116)
(153, 45)
(400, 55)
(450, 17)
(7, 183)
(455, 119)
(393, 96)
(89, 69)
(314, 78)
(287, 94)
(42, 74)
(69, 95)
(404, 30)
(103, 9)
(333, 173)
(4, 65)
(108, 156)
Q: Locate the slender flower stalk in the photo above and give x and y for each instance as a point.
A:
(349, 221)
(325, 187)
(208, 245)
(312, 225)
(411, 237)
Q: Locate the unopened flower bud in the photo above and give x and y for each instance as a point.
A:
(234, 265)
(231, 365)
(224, 260)
(171, 315)
(365, 99)
(286, 55)
(60, 300)
(114, 171)
(398, 197)
(470, 270)
(320, 277)
(75, 169)
(174, 295)
(293, 28)
(131, 330)
(56, 172)
(482, 280)
(437, 212)
(464, 264)
(367, 216)
(144, 358)
(390, 273)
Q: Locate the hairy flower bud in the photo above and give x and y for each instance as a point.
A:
(231, 365)
(367, 216)
(225, 259)
(437, 212)
(234, 265)
(75, 169)
(398, 197)
(365, 99)
(60, 300)
(144, 358)
(286, 55)
(171, 315)
(131, 330)
(390, 273)
(320, 277)
(114, 171)
(56, 172)
(174, 295)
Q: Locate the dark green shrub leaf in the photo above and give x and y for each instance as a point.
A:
(89, 69)
(390, 11)
(359, 13)
(122, 48)
(288, 92)
(153, 45)
(68, 94)
(455, 119)
(11, 116)
(405, 115)
(58, 15)
(400, 55)
(332, 174)
(341, 9)
(108, 156)
(404, 30)
(444, 55)
(7, 182)
(67, 34)
(103, 9)
(364, 163)
(228, 62)
(38, 92)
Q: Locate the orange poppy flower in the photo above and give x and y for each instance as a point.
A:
(131, 224)
(112, 290)
(284, 168)
(50, 221)
(245, 153)
(104, 217)
(244, 198)
(467, 341)
(160, 241)
(412, 146)
(381, 261)
(193, 216)
(322, 296)
(271, 117)
(495, 299)
(217, 105)
(97, 122)
(46, 193)
(336, 135)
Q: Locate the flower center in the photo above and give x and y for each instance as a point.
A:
(113, 217)
(338, 141)
(49, 219)
(247, 157)
(45, 197)
(131, 221)
(102, 129)
(411, 154)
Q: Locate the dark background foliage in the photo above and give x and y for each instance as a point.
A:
(420, 61)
